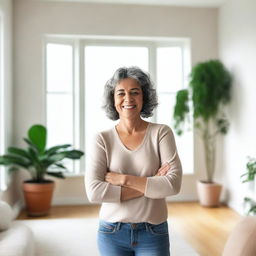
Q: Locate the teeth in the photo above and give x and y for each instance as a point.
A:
(128, 107)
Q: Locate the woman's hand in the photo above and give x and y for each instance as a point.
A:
(115, 178)
(163, 170)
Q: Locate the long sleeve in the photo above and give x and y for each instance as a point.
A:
(162, 186)
(97, 189)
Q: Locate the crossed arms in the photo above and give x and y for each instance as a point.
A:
(132, 186)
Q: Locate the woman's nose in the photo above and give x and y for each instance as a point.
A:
(128, 98)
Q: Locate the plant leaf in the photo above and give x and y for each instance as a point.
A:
(57, 157)
(31, 145)
(19, 152)
(56, 148)
(74, 154)
(56, 174)
(14, 160)
(181, 109)
(38, 135)
(60, 166)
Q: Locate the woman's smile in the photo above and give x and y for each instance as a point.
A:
(129, 106)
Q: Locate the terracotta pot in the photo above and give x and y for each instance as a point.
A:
(38, 197)
(209, 193)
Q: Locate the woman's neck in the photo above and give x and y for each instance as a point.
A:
(129, 126)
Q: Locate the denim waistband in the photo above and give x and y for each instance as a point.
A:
(131, 225)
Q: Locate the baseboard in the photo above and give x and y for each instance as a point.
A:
(84, 201)
(70, 201)
(182, 198)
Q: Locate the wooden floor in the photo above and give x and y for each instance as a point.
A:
(205, 229)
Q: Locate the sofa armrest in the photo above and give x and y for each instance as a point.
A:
(18, 240)
(241, 242)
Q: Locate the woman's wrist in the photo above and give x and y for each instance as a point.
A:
(125, 180)
(135, 182)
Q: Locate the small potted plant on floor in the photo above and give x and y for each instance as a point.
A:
(209, 90)
(39, 162)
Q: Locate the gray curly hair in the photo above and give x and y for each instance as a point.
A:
(143, 78)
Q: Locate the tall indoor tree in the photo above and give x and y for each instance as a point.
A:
(209, 90)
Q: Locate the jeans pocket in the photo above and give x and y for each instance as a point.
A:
(107, 227)
(159, 229)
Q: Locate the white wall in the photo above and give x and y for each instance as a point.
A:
(237, 46)
(34, 19)
(6, 10)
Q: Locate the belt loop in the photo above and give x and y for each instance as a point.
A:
(118, 226)
(146, 224)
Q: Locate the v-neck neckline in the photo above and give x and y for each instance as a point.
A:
(139, 146)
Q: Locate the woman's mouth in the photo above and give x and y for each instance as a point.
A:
(129, 106)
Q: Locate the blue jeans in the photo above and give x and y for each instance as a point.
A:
(133, 239)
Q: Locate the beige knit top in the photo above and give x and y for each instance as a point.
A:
(109, 153)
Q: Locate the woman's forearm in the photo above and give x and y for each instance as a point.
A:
(135, 182)
(129, 193)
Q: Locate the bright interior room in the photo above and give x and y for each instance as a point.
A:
(56, 57)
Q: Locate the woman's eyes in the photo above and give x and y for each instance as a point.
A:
(132, 93)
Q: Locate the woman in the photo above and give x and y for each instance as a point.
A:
(134, 166)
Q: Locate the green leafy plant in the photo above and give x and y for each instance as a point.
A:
(252, 208)
(248, 177)
(251, 170)
(36, 159)
(209, 89)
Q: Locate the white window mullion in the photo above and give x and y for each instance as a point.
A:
(79, 104)
(152, 71)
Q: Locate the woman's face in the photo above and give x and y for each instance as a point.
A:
(128, 98)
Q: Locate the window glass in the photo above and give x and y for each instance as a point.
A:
(59, 98)
(60, 119)
(169, 69)
(59, 68)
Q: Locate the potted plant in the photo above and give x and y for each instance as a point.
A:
(39, 162)
(209, 89)
(249, 178)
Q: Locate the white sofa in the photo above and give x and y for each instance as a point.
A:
(16, 239)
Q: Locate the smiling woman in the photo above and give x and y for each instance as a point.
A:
(131, 165)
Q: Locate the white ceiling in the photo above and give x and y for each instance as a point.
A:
(192, 3)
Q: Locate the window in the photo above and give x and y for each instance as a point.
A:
(3, 175)
(76, 72)
(60, 96)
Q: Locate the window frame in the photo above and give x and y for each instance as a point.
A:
(76, 95)
(3, 170)
(79, 43)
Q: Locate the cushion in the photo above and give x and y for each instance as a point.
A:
(6, 215)
(18, 240)
(241, 242)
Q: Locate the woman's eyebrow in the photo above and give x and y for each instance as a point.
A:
(121, 90)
